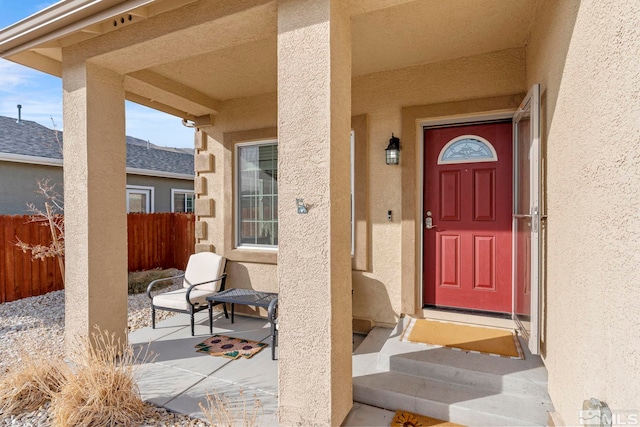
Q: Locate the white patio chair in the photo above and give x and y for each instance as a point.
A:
(204, 276)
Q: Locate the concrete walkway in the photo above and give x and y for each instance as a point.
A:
(173, 375)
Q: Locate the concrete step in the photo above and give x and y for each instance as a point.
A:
(466, 388)
(492, 373)
(462, 404)
(526, 377)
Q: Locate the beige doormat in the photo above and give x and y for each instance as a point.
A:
(470, 338)
(409, 419)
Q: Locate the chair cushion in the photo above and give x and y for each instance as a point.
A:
(204, 267)
(177, 299)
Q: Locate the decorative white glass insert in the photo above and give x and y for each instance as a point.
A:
(467, 149)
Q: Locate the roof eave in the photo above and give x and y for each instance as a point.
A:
(59, 20)
(47, 161)
(159, 174)
(33, 160)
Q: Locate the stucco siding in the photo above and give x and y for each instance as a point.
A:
(19, 184)
(585, 55)
(256, 117)
(378, 293)
(381, 96)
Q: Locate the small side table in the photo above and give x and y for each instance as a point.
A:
(235, 296)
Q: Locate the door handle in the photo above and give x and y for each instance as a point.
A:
(428, 223)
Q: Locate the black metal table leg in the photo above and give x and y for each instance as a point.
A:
(210, 317)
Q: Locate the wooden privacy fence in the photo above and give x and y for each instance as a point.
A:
(19, 276)
(162, 240)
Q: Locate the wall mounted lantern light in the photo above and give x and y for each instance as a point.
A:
(393, 151)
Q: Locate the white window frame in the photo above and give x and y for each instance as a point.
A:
(141, 189)
(236, 196)
(175, 191)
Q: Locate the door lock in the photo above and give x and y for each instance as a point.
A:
(428, 221)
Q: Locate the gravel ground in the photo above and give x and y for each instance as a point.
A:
(25, 322)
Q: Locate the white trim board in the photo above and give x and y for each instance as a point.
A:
(34, 160)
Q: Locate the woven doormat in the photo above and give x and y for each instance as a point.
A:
(230, 347)
(470, 338)
(409, 419)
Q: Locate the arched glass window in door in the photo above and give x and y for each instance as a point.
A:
(467, 149)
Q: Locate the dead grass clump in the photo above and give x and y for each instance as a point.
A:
(221, 411)
(139, 280)
(30, 383)
(103, 390)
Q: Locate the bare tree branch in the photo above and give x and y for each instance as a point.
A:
(51, 216)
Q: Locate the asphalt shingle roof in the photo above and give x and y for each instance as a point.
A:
(32, 139)
(29, 139)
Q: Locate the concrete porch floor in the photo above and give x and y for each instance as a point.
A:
(177, 377)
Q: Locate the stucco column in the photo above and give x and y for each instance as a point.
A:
(95, 206)
(314, 249)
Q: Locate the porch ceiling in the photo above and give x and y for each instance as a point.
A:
(421, 32)
(235, 72)
(184, 56)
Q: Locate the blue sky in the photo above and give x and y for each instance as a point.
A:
(41, 94)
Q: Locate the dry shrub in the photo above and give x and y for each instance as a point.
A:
(221, 411)
(30, 383)
(139, 280)
(103, 390)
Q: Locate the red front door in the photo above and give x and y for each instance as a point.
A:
(467, 216)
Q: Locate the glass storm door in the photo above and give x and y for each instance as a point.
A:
(526, 219)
